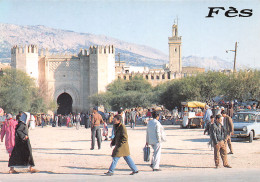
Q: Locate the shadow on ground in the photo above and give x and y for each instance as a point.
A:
(55, 149)
(179, 153)
(243, 140)
(74, 154)
(89, 168)
(78, 141)
(175, 166)
(4, 161)
(185, 149)
(198, 140)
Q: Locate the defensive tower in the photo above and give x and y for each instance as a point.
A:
(26, 59)
(102, 64)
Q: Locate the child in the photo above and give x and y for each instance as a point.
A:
(105, 130)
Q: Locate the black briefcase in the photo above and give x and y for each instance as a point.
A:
(146, 153)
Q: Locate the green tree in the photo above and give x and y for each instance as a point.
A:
(126, 94)
(19, 93)
(243, 86)
(117, 86)
(179, 91)
(211, 84)
(202, 87)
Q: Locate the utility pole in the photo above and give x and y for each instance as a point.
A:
(234, 68)
(235, 57)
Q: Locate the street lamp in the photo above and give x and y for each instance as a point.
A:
(234, 68)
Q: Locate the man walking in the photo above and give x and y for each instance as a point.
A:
(132, 118)
(123, 115)
(78, 120)
(96, 120)
(56, 120)
(154, 138)
(207, 115)
(229, 127)
(120, 141)
(218, 138)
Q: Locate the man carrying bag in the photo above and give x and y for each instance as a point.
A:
(154, 136)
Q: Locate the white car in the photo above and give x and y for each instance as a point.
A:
(247, 124)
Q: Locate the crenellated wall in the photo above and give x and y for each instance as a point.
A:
(153, 77)
(102, 64)
(25, 58)
(80, 75)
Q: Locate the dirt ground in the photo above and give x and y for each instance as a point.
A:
(62, 150)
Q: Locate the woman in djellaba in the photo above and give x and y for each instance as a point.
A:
(22, 153)
(8, 131)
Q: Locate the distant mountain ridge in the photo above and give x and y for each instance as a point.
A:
(65, 41)
(57, 40)
(210, 63)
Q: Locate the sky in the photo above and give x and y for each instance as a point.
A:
(149, 23)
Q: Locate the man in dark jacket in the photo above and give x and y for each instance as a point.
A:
(120, 141)
(229, 126)
(218, 136)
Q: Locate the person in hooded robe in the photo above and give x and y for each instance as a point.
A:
(8, 131)
(87, 120)
(21, 155)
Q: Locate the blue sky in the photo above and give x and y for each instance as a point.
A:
(149, 23)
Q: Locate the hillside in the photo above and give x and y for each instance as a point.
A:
(57, 40)
(65, 41)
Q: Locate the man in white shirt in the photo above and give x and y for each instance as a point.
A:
(154, 138)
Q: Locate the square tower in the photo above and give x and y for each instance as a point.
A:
(175, 61)
(101, 68)
(26, 59)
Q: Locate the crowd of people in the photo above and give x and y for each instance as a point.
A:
(218, 125)
(15, 132)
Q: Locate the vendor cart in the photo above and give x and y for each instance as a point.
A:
(191, 117)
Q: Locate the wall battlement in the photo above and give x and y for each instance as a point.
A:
(102, 49)
(83, 53)
(45, 52)
(24, 49)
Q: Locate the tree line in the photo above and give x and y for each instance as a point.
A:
(18, 92)
(138, 92)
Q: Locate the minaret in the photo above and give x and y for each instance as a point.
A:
(175, 61)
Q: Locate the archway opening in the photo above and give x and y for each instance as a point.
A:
(64, 102)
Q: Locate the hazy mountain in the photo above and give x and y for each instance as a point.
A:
(210, 63)
(57, 40)
(64, 41)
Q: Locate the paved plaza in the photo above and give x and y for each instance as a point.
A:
(63, 154)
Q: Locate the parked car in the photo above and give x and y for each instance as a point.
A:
(247, 124)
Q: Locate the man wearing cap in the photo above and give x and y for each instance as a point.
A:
(96, 120)
(229, 126)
